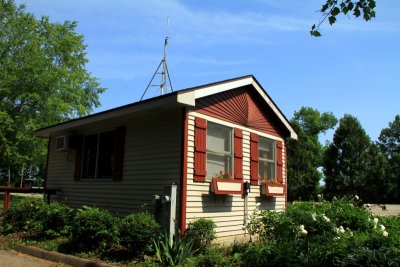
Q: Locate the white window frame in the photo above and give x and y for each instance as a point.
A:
(224, 154)
(266, 160)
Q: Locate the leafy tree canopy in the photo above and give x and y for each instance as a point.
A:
(332, 8)
(43, 81)
(305, 154)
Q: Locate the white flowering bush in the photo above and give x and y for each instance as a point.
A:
(335, 233)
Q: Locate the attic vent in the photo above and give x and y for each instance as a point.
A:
(61, 143)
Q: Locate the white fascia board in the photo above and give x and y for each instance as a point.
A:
(293, 134)
(186, 98)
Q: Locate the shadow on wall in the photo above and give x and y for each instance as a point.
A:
(216, 203)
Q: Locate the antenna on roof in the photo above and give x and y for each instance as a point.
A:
(162, 69)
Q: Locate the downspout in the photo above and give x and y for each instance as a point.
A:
(184, 148)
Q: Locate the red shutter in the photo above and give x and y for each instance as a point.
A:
(279, 147)
(200, 149)
(119, 147)
(253, 159)
(78, 157)
(238, 146)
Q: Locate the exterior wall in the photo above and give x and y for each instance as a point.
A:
(152, 161)
(227, 211)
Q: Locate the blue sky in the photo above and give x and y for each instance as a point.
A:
(353, 68)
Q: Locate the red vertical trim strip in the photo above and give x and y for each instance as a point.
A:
(254, 159)
(238, 146)
(184, 171)
(200, 149)
(279, 161)
(286, 175)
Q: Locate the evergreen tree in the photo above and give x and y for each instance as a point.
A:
(352, 164)
(389, 142)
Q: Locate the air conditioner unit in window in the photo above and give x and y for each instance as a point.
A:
(62, 143)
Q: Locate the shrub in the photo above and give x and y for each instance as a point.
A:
(38, 218)
(334, 233)
(137, 231)
(201, 232)
(212, 256)
(94, 229)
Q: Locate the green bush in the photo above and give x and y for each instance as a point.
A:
(334, 233)
(94, 229)
(38, 218)
(212, 256)
(137, 231)
(201, 232)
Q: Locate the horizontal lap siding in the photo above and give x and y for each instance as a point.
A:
(152, 161)
(226, 211)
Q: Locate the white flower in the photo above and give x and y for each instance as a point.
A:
(319, 196)
(340, 230)
(382, 227)
(326, 219)
(302, 231)
(258, 204)
(336, 238)
(334, 198)
(385, 234)
(356, 197)
(314, 216)
(376, 220)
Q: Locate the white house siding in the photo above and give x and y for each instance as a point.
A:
(228, 212)
(152, 161)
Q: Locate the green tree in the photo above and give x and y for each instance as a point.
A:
(305, 154)
(43, 81)
(353, 164)
(389, 142)
(332, 8)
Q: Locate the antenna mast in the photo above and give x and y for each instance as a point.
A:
(164, 74)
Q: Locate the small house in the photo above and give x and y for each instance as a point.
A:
(221, 144)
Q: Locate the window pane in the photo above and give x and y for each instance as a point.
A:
(106, 155)
(266, 149)
(89, 156)
(266, 169)
(218, 138)
(217, 163)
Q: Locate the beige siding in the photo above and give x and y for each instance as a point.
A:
(152, 161)
(228, 211)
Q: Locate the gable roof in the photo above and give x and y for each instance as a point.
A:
(185, 97)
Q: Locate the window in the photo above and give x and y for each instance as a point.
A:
(219, 149)
(266, 159)
(98, 155)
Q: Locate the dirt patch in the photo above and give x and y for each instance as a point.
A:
(384, 210)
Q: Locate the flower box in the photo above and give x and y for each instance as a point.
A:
(274, 190)
(222, 186)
